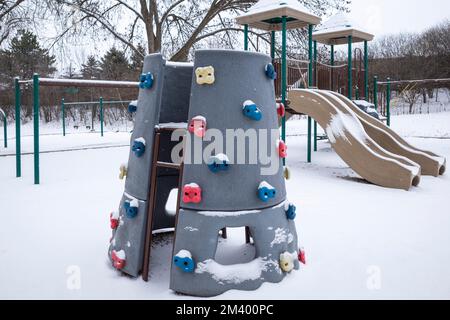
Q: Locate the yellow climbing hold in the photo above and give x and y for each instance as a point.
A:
(287, 173)
(123, 172)
(287, 261)
(205, 75)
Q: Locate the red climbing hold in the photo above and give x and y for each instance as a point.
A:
(118, 258)
(197, 126)
(114, 220)
(302, 256)
(281, 110)
(192, 193)
(282, 149)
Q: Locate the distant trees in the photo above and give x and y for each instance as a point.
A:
(24, 57)
(413, 56)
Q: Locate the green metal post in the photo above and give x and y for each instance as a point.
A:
(272, 45)
(375, 92)
(310, 84)
(36, 126)
(332, 69)
(246, 37)
(310, 55)
(388, 102)
(315, 64)
(350, 71)
(283, 76)
(309, 140)
(63, 116)
(101, 116)
(18, 137)
(316, 84)
(366, 71)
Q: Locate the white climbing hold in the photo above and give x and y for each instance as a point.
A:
(287, 261)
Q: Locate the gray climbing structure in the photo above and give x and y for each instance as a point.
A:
(163, 98)
(228, 95)
(232, 90)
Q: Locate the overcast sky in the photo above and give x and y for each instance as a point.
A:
(392, 16)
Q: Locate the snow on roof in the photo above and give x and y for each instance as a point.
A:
(341, 25)
(259, 14)
(269, 5)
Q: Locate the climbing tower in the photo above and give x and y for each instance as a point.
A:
(163, 98)
(233, 90)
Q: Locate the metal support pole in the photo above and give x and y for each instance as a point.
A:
(246, 37)
(63, 116)
(375, 92)
(101, 116)
(283, 76)
(332, 69)
(17, 115)
(36, 126)
(366, 71)
(350, 71)
(310, 84)
(316, 84)
(315, 64)
(388, 102)
(309, 140)
(272, 45)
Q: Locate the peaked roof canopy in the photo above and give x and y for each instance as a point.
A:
(338, 28)
(267, 14)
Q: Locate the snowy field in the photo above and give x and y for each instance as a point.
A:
(362, 241)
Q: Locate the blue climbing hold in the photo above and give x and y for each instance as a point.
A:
(291, 212)
(218, 163)
(138, 147)
(132, 107)
(131, 208)
(266, 191)
(251, 110)
(146, 81)
(184, 261)
(270, 71)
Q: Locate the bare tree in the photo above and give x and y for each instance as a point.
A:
(171, 26)
(12, 17)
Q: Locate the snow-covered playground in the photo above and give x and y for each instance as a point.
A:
(362, 241)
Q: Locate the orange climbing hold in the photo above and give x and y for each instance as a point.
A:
(118, 258)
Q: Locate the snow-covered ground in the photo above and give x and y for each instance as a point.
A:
(362, 241)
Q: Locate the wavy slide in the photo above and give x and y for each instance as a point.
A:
(370, 148)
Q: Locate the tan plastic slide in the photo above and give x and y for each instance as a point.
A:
(370, 148)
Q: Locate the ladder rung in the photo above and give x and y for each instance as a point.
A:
(169, 165)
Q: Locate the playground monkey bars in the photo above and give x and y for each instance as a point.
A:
(36, 82)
